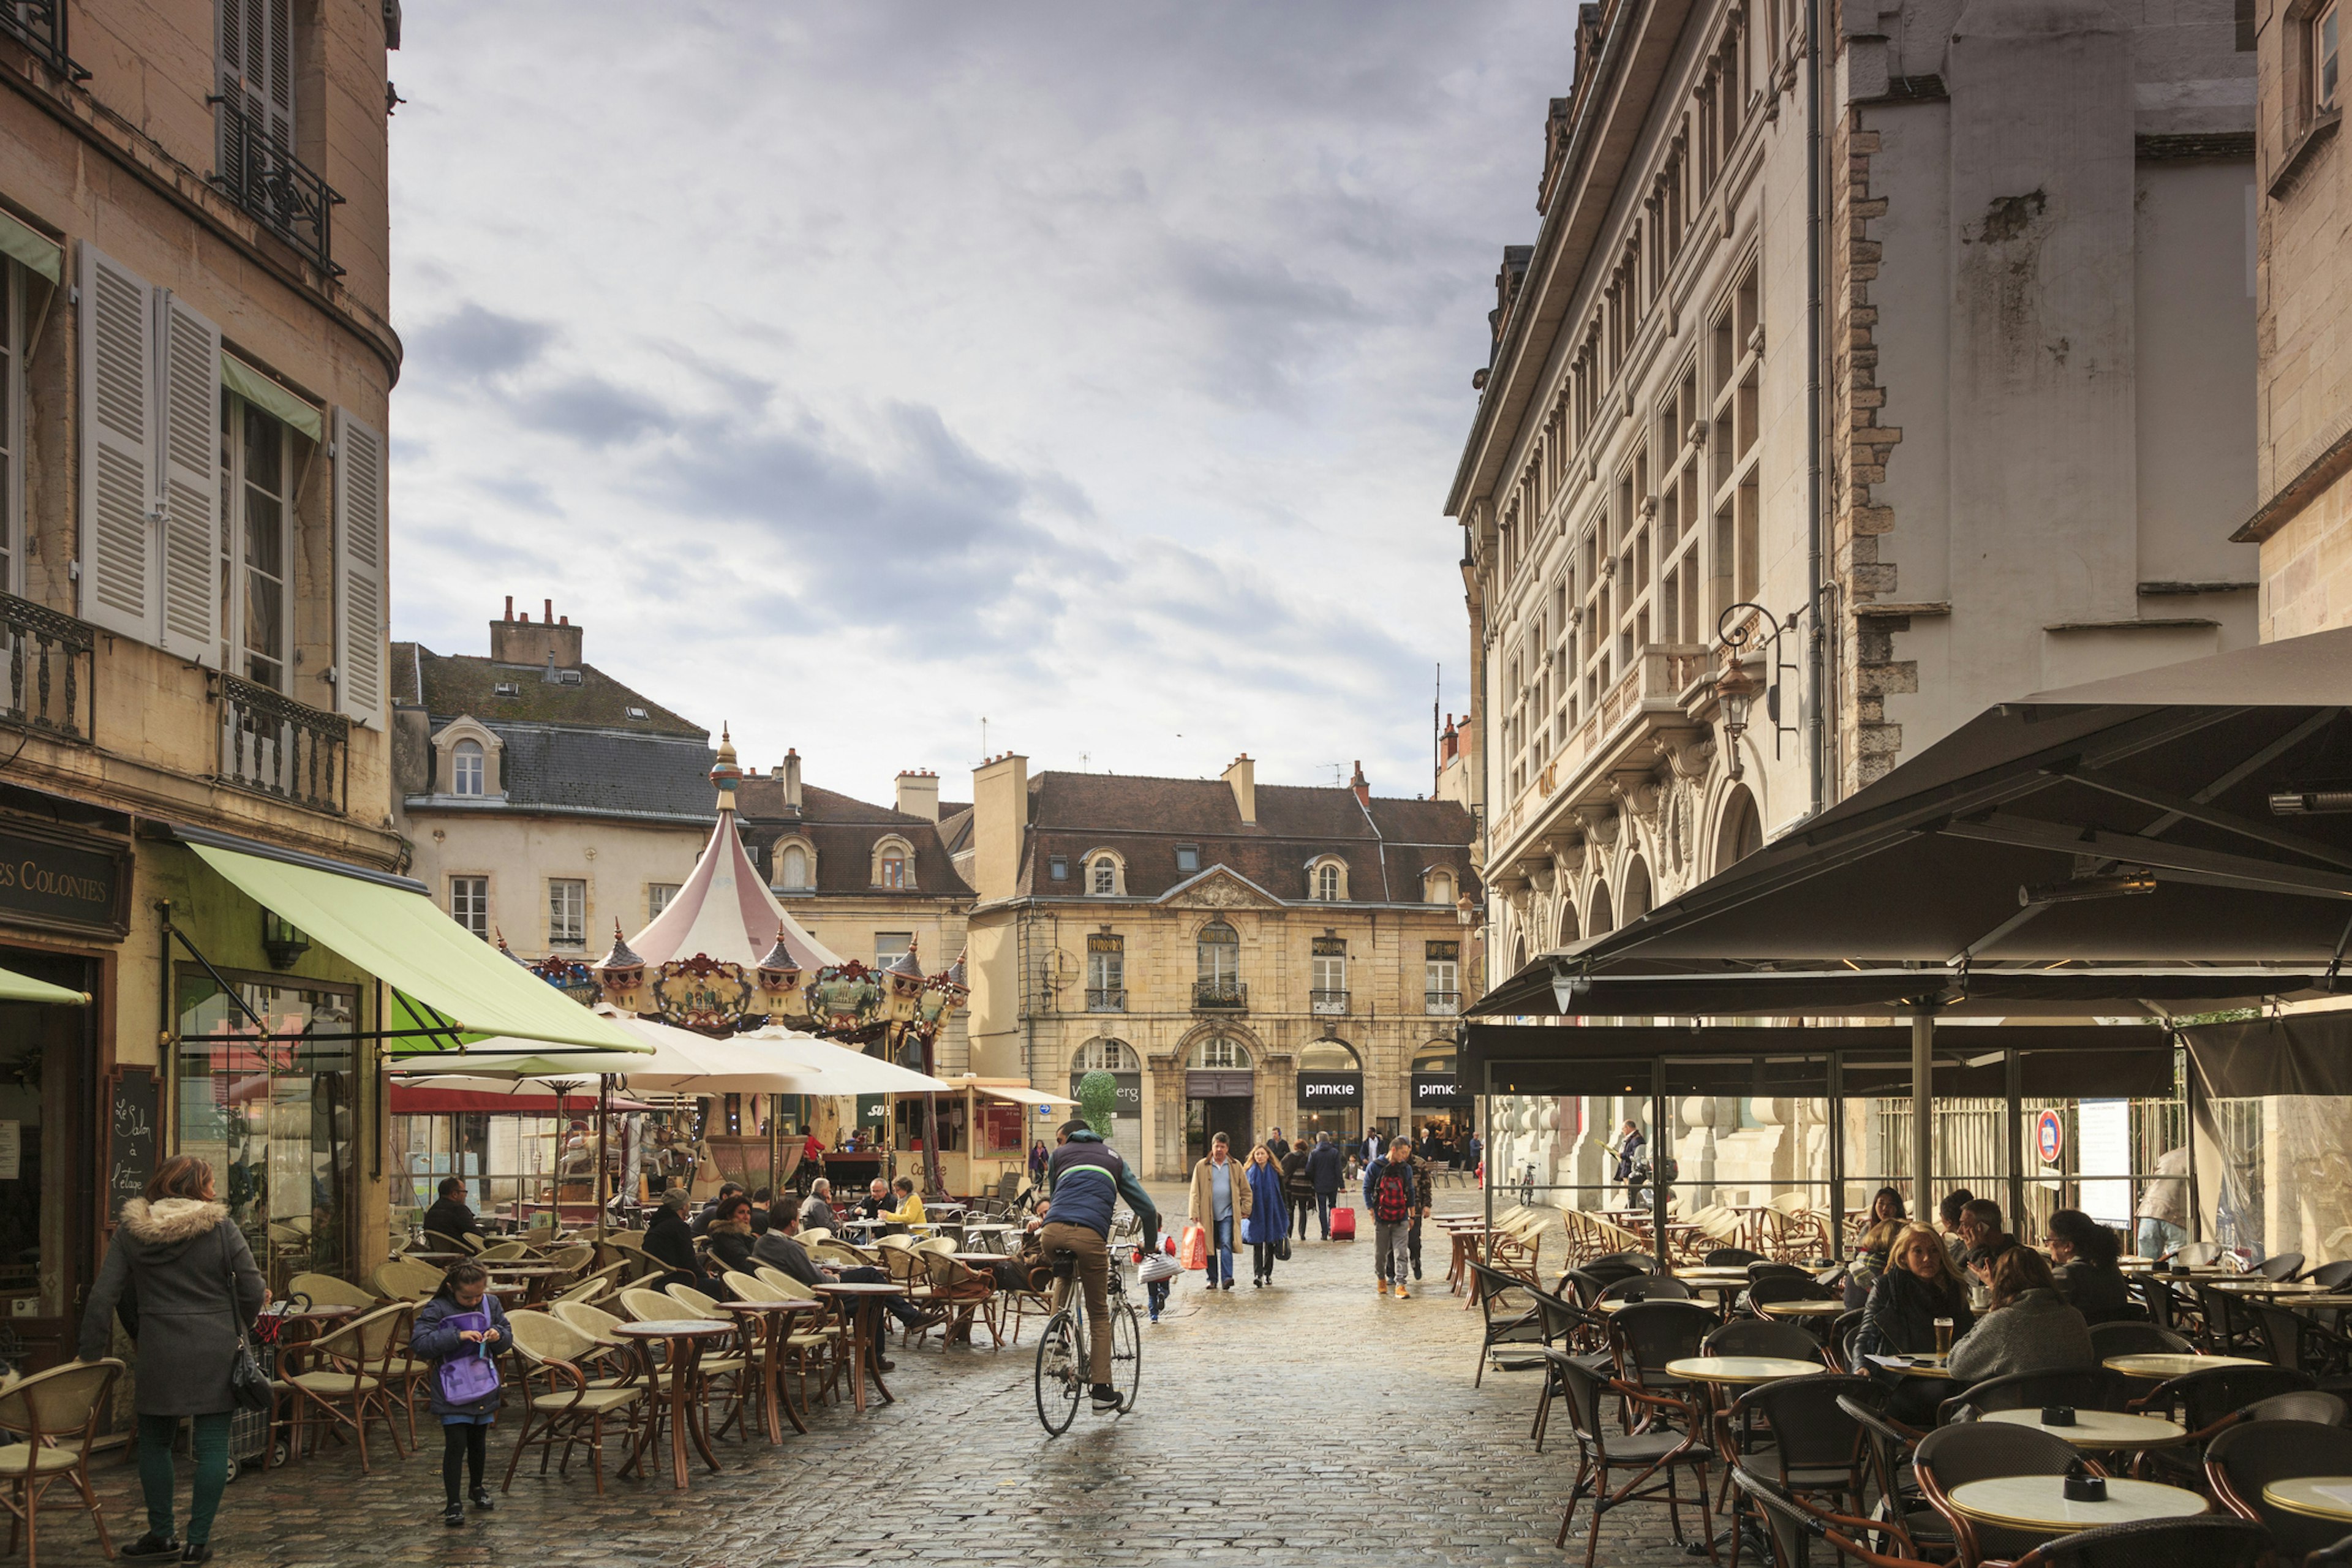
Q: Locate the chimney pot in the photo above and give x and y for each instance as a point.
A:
(511, 607)
(548, 609)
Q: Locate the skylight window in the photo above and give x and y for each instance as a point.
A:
(506, 688)
(636, 713)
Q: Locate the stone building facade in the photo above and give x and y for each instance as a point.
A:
(195, 368)
(2006, 455)
(2302, 506)
(1241, 956)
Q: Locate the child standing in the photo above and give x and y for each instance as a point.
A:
(462, 1330)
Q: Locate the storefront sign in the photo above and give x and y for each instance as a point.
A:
(1130, 1091)
(131, 1136)
(873, 1110)
(56, 881)
(1331, 1090)
(1202, 1085)
(1439, 1091)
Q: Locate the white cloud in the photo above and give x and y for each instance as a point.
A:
(853, 371)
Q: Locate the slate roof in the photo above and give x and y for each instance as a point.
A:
(844, 830)
(1386, 847)
(447, 685)
(595, 770)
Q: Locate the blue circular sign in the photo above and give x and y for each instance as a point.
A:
(2049, 1136)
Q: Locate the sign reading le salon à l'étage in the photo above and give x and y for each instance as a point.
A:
(57, 881)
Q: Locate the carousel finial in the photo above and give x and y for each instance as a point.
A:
(725, 775)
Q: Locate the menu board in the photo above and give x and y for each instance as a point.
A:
(132, 1122)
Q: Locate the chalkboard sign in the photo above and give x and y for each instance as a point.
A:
(133, 1124)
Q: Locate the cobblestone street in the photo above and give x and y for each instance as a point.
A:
(1310, 1416)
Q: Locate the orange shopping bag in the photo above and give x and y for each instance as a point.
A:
(1195, 1253)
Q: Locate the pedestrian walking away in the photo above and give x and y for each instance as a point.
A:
(1326, 1168)
(1219, 1200)
(1268, 1229)
(1390, 1191)
(462, 1332)
(1298, 1187)
(184, 1277)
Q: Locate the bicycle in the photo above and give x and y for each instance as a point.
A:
(1064, 1351)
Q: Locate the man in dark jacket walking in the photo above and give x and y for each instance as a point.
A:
(1298, 1188)
(1325, 1167)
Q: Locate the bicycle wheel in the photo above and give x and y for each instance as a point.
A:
(1126, 1353)
(1061, 1382)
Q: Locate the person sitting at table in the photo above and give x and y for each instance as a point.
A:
(2087, 1278)
(731, 1235)
(1919, 1286)
(909, 1210)
(1981, 1228)
(449, 1215)
(780, 1249)
(1026, 1270)
(1948, 1214)
(669, 1241)
(2030, 1328)
(877, 1199)
(702, 1221)
(1887, 1221)
(817, 1209)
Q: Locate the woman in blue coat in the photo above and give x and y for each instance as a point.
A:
(1269, 1224)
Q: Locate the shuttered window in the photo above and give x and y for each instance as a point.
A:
(257, 63)
(359, 555)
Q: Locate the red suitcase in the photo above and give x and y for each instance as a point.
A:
(1343, 1225)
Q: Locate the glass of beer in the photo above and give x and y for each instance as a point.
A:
(1943, 1336)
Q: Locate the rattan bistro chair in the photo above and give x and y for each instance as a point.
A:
(1951, 1456)
(326, 1290)
(349, 1373)
(2247, 1458)
(1793, 1524)
(2205, 1541)
(48, 1411)
(1654, 1457)
(567, 1405)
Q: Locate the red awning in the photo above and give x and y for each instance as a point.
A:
(408, 1101)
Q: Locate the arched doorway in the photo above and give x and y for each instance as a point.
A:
(1220, 1094)
(1435, 1094)
(1635, 901)
(1118, 1059)
(1598, 918)
(1331, 1090)
(1742, 832)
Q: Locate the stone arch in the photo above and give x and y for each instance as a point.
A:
(1633, 897)
(1739, 832)
(1568, 931)
(1599, 911)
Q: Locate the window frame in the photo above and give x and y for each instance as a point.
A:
(883, 955)
(2317, 59)
(478, 885)
(236, 570)
(554, 937)
(460, 756)
(781, 854)
(657, 897)
(1188, 859)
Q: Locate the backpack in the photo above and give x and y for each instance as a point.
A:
(1392, 1197)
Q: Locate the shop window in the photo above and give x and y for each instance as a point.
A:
(469, 904)
(567, 912)
(274, 1112)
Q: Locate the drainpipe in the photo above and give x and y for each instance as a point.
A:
(1816, 523)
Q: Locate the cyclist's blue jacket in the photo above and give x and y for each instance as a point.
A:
(1088, 1178)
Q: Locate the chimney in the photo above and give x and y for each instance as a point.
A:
(1242, 775)
(918, 794)
(1000, 814)
(789, 770)
(540, 645)
(1363, 791)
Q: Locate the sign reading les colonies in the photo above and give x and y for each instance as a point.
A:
(132, 1118)
(48, 880)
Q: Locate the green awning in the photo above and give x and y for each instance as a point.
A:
(16, 987)
(265, 394)
(404, 939)
(37, 250)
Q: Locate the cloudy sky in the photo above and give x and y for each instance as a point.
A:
(854, 372)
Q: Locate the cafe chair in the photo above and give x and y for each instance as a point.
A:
(1764, 1337)
(2228, 1321)
(2086, 1388)
(1586, 1283)
(1647, 1287)
(436, 1242)
(571, 1257)
(1511, 1316)
(326, 1290)
(1815, 1447)
(1888, 1444)
(2336, 1556)
(1568, 1334)
(1653, 1457)
(55, 1416)
(594, 1287)
(2241, 1461)
(562, 1403)
(1639, 1262)
(1951, 1456)
(2296, 1341)
(1791, 1525)
(1843, 1330)
(2303, 1405)
(504, 1252)
(2280, 1266)
(2331, 1276)
(348, 1375)
(2204, 1401)
(2207, 1542)
(1730, 1257)
(2111, 1339)
(1649, 1334)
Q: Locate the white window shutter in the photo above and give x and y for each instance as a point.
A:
(119, 568)
(359, 554)
(189, 379)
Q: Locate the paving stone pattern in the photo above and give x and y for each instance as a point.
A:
(1311, 1417)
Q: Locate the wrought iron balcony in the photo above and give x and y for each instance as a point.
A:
(40, 27)
(49, 657)
(1219, 996)
(1106, 999)
(1329, 1003)
(285, 193)
(1441, 1003)
(287, 749)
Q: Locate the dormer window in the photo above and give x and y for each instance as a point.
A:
(567, 677)
(1059, 868)
(636, 713)
(505, 688)
(894, 870)
(1326, 884)
(1103, 878)
(466, 768)
(1188, 857)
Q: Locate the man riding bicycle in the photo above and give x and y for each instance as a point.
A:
(1087, 1179)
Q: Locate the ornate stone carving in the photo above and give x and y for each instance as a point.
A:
(1221, 891)
(1690, 760)
(1636, 795)
(1600, 824)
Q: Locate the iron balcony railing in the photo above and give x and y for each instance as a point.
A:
(1106, 999)
(1331, 1003)
(40, 27)
(285, 193)
(49, 657)
(1219, 996)
(1442, 1003)
(276, 746)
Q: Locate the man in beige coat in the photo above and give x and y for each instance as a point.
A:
(1220, 1202)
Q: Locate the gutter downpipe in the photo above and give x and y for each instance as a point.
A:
(1815, 650)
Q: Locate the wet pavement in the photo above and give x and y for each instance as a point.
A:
(1312, 1416)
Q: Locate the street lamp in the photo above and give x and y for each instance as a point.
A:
(1734, 687)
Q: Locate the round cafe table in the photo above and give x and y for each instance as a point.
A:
(1740, 1369)
(773, 1322)
(2039, 1502)
(2100, 1430)
(2317, 1497)
(533, 1276)
(678, 1389)
(865, 1304)
(2157, 1366)
(1803, 1309)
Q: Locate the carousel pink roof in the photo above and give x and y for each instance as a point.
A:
(724, 910)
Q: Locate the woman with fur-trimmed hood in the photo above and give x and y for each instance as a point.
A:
(184, 1277)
